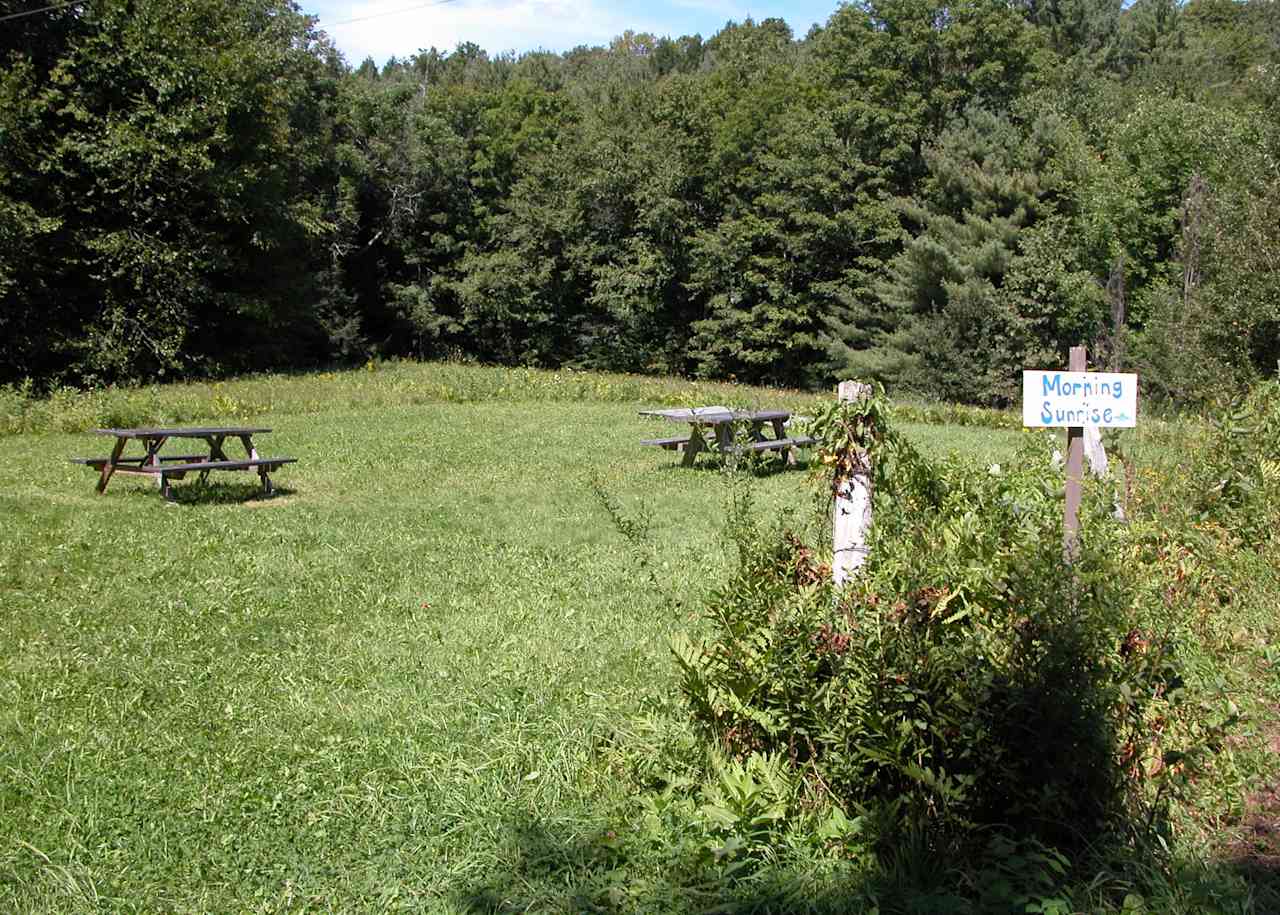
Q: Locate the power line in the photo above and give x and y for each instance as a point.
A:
(408, 9)
(327, 25)
(43, 9)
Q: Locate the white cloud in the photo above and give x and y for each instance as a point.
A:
(387, 28)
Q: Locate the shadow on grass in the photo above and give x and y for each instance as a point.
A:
(1254, 852)
(554, 868)
(553, 871)
(1262, 876)
(192, 494)
(760, 467)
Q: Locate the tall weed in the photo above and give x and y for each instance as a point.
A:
(379, 383)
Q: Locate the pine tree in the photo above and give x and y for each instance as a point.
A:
(978, 294)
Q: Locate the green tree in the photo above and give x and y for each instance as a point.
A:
(989, 285)
(403, 203)
(1078, 28)
(1212, 318)
(169, 158)
(784, 267)
(1131, 203)
(899, 70)
(638, 201)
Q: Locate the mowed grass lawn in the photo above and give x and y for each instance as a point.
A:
(428, 658)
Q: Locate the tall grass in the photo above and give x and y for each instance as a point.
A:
(434, 673)
(378, 384)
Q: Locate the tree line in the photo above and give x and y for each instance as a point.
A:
(932, 196)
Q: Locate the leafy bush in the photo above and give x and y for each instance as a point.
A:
(970, 678)
(1238, 477)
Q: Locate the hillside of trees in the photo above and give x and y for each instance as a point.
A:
(931, 196)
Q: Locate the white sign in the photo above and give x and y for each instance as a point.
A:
(1105, 399)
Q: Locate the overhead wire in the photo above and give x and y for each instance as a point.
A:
(327, 25)
(43, 9)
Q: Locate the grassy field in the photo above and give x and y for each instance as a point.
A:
(428, 675)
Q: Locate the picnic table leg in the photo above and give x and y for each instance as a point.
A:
(780, 432)
(215, 453)
(166, 489)
(267, 488)
(153, 459)
(215, 447)
(154, 444)
(252, 452)
(724, 439)
(247, 441)
(695, 445)
(110, 466)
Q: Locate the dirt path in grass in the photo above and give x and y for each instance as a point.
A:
(1255, 849)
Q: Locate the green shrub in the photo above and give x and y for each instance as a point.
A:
(969, 678)
(1237, 478)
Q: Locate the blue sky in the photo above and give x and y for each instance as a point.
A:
(387, 28)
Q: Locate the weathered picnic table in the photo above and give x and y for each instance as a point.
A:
(718, 424)
(166, 467)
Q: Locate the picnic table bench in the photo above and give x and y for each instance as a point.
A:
(718, 423)
(166, 467)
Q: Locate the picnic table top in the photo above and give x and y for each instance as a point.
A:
(716, 414)
(181, 432)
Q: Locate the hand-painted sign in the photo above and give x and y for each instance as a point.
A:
(1104, 399)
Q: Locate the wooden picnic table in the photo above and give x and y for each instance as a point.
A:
(166, 467)
(719, 424)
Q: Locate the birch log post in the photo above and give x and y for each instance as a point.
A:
(853, 505)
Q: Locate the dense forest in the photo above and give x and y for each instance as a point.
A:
(934, 196)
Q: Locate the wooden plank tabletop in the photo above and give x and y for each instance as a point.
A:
(183, 432)
(716, 414)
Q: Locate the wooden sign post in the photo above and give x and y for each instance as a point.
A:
(1078, 361)
(1075, 399)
